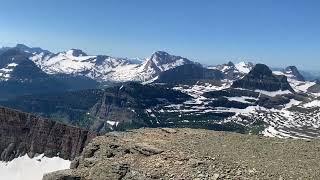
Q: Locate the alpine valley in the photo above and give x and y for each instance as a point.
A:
(70, 97)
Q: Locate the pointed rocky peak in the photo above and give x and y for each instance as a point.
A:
(162, 61)
(293, 72)
(162, 57)
(260, 71)
(230, 63)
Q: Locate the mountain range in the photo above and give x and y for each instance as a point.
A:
(103, 68)
(103, 93)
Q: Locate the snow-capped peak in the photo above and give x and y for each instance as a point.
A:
(101, 67)
(244, 67)
(107, 68)
(234, 71)
(163, 61)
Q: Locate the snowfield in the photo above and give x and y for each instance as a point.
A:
(25, 168)
(315, 103)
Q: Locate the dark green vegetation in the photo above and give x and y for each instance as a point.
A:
(121, 107)
(92, 109)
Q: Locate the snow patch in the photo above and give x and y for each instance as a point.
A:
(31, 169)
(273, 93)
(243, 67)
(315, 103)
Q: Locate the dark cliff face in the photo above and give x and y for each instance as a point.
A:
(189, 73)
(23, 133)
(261, 77)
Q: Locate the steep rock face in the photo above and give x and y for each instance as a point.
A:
(261, 78)
(23, 133)
(189, 73)
(106, 68)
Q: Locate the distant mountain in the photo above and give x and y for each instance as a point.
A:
(171, 91)
(291, 72)
(189, 73)
(32, 50)
(262, 78)
(20, 76)
(294, 72)
(161, 61)
(106, 68)
(234, 71)
(25, 70)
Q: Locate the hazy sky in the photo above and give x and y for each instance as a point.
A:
(275, 32)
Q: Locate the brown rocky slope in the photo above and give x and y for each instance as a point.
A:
(193, 154)
(22, 133)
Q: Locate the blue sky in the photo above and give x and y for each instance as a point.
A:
(275, 32)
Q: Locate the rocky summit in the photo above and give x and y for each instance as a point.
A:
(192, 154)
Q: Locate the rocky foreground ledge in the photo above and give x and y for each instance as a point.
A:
(193, 154)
